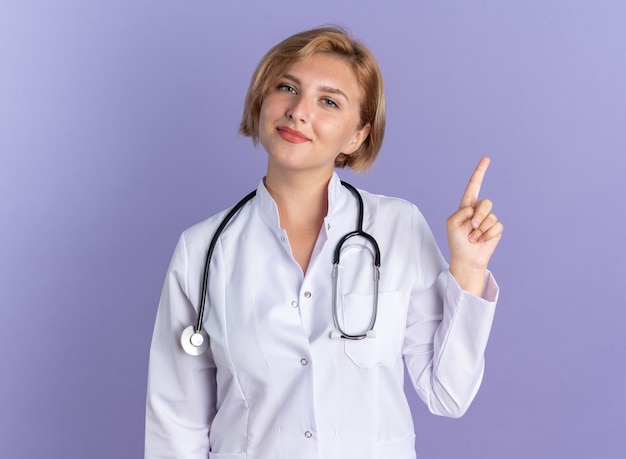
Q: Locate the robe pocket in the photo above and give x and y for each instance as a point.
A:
(227, 455)
(399, 448)
(386, 346)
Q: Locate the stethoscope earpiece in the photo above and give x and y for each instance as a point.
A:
(194, 342)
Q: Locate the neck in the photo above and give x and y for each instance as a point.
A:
(299, 193)
(299, 205)
(302, 202)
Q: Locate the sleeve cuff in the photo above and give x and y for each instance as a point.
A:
(490, 292)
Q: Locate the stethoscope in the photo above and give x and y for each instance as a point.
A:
(195, 340)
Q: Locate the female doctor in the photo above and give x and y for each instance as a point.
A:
(293, 368)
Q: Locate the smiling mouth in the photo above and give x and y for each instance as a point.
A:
(291, 135)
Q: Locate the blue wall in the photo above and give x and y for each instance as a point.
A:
(118, 124)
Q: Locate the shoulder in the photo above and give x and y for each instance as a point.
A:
(203, 227)
(388, 205)
(394, 214)
(199, 235)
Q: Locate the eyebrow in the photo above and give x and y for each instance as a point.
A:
(328, 89)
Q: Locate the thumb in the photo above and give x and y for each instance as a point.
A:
(462, 215)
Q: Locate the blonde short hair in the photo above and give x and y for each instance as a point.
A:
(324, 40)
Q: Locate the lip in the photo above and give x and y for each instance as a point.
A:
(291, 135)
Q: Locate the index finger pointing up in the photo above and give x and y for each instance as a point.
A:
(470, 196)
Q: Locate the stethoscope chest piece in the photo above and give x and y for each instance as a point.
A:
(194, 342)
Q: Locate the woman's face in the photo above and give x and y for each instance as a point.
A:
(311, 114)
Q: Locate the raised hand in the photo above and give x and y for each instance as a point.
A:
(473, 234)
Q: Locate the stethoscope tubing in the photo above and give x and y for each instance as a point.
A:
(360, 233)
(209, 255)
(195, 340)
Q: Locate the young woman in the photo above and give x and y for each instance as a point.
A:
(305, 354)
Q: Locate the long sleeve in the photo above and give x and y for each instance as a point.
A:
(180, 402)
(274, 383)
(447, 331)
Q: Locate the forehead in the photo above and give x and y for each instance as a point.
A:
(327, 70)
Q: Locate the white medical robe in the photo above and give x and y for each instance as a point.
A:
(274, 385)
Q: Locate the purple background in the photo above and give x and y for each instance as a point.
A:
(118, 125)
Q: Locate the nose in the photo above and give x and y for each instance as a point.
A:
(298, 109)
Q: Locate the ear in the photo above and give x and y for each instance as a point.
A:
(357, 140)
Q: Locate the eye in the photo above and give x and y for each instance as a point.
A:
(287, 88)
(329, 103)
